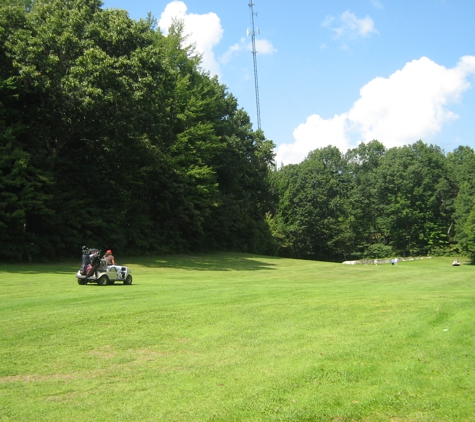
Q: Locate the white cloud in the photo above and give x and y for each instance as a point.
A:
(328, 21)
(204, 31)
(307, 135)
(409, 105)
(263, 46)
(377, 4)
(351, 27)
(226, 57)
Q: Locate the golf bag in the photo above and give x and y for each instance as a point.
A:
(90, 261)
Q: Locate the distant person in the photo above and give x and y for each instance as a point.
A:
(395, 261)
(111, 265)
(110, 260)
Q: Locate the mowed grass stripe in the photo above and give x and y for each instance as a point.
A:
(239, 337)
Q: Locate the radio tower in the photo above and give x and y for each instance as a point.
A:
(254, 54)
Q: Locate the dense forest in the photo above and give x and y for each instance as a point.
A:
(113, 136)
(374, 202)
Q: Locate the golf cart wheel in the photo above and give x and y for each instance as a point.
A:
(128, 280)
(103, 281)
(82, 282)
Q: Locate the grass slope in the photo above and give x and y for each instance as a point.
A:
(239, 338)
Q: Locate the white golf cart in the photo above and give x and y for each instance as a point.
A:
(95, 270)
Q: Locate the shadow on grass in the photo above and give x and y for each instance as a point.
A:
(218, 262)
(204, 262)
(116, 284)
(40, 268)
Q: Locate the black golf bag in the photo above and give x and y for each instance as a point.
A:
(90, 261)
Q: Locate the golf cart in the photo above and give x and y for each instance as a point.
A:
(94, 269)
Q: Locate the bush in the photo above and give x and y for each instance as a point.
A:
(378, 250)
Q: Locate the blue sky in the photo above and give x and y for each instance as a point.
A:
(339, 72)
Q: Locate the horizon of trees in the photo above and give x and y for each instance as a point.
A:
(112, 136)
(373, 202)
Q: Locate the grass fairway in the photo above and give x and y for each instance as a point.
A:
(239, 338)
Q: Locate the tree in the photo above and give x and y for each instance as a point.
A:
(23, 182)
(116, 132)
(314, 207)
(462, 167)
(367, 210)
(414, 187)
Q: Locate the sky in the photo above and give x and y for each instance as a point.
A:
(337, 72)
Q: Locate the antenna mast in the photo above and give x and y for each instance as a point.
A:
(254, 54)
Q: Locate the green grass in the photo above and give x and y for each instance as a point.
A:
(239, 338)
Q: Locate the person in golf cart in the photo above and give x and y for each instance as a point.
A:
(110, 261)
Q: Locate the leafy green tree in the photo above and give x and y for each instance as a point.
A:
(366, 208)
(23, 199)
(76, 64)
(462, 167)
(415, 189)
(121, 138)
(314, 206)
(369, 201)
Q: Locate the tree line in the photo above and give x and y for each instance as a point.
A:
(112, 136)
(373, 202)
